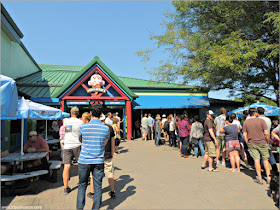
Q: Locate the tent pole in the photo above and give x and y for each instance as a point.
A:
(22, 130)
(46, 134)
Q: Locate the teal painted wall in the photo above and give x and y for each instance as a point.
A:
(15, 62)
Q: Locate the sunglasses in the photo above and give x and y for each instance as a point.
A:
(30, 136)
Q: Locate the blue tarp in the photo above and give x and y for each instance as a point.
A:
(170, 102)
(30, 110)
(65, 115)
(269, 110)
(9, 97)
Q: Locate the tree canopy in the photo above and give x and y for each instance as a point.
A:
(222, 45)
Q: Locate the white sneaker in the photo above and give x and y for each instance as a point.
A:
(223, 163)
(248, 166)
(218, 162)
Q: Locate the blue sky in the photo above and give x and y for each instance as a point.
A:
(73, 32)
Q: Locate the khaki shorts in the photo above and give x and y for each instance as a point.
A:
(221, 142)
(109, 168)
(210, 149)
(151, 129)
(69, 154)
(145, 130)
(258, 152)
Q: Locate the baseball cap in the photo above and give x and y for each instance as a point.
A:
(32, 133)
(210, 112)
(102, 117)
(163, 115)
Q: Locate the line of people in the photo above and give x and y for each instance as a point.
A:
(93, 141)
(223, 136)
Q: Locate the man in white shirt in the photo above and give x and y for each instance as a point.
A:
(109, 120)
(145, 128)
(72, 145)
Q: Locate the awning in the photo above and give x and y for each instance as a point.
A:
(170, 102)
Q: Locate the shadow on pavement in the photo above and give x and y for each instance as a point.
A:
(116, 168)
(123, 151)
(121, 195)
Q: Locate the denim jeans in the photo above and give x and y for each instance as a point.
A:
(200, 144)
(97, 174)
(172, 138)
(157, 137)
(185, 141)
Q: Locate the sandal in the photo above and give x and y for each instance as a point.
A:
(213, 170)
(203, 167)
(258, 181)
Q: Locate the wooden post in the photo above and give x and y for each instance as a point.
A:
(62, 105)
(129, 119)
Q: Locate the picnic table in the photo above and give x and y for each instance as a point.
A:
(17, 157)
(53, 141)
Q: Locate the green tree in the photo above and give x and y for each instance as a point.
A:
(222, 45)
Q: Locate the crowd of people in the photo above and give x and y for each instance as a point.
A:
(220, 139)
(93, 141)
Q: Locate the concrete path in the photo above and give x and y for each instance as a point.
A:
(158, 178)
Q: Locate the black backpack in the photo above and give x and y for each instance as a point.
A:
(166, 126)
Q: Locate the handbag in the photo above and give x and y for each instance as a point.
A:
(194, 141)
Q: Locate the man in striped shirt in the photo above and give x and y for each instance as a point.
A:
(94, 136)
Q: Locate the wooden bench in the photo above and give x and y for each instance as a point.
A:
(14, 177)
(20, 176)
(54, 167)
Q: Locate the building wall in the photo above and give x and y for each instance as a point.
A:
(15, 62)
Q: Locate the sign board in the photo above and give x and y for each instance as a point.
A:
(96, 82)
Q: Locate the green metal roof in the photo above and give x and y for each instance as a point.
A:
(53, 80)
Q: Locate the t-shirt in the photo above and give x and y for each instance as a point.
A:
(39, 144)
(236, 122)
(208, 124)
(108, 147)
(277, 129)
(163, 121)
(219, 121)
(267, 122)
(72, 126)
(157, 125)
(119, 119)
(55, 126)
(171, 124)
(254, 127)
(62, 132)
(145, 122)
(231, 132)
(94, 135)
(151, 120)
(108, 121)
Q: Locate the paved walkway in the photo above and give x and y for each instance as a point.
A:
(158, 178)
